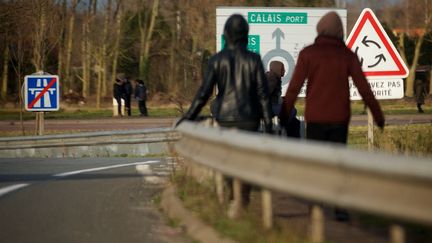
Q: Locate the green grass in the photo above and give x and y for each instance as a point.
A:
(32, 132)
(389, 107)
(413, 139)
(201, 200)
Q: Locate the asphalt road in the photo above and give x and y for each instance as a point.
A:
(82, 200)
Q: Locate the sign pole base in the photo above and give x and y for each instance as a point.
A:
(40, 123)
(370, 136)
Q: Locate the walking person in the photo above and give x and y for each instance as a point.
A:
(141, 96)
(128, 90)
(118, 91)
(327, 64)
(420, 92)
(274, 78)
(242, 98)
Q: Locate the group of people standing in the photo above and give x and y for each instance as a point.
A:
(243, 99)
(123, 90)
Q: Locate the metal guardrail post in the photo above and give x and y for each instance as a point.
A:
(219, 186)
(235, 206)
(317, 224)
(267, 209)
(397, 234)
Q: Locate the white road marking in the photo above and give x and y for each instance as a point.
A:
(104, 168)
(144, 169)
(12, 188)
(150, 176)
(15, 187)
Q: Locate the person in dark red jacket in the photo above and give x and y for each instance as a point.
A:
(327, 64)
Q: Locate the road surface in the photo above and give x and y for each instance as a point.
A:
(83, 200)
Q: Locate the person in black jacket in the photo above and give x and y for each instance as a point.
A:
(141, 96)
(118, 92)
(242, 98)
(274, 78)
(127, 95)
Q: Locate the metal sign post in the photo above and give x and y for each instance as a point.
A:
(370, 122)
(40, 123)
(41, 93)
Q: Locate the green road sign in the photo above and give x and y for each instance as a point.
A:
(277, 18)
(253, 43)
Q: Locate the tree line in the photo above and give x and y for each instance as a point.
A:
(166, 43)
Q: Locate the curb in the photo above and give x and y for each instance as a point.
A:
(193, 226)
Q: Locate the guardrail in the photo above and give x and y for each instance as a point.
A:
(90, 144)
(396, 186)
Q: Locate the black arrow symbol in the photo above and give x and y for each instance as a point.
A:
(361, 58)
(379, 57)
(365, 42)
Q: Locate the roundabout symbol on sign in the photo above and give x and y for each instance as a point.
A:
(380, 57)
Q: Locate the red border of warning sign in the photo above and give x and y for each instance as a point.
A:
(367, 14)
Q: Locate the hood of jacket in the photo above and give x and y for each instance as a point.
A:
(236, 31)
(330, 25)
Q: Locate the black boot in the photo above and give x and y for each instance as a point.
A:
(420, 110)
(341, 215)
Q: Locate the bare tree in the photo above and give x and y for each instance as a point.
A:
(418, 15)
(19, 36)
(146, 26)
(40, 8)
(105, 46)
(101, 89)
(99, 73)
(62, 38)
(86, 52)
(118, 34)
(4, 88)
(69, 43)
